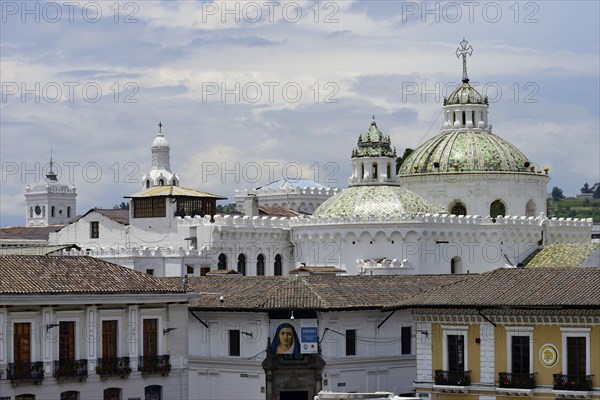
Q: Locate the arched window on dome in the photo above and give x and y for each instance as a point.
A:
(174, 182)
(374, 171)
(456, 265)
(464, 119)
(68, 212)
(222, 265)
(278, 270)
(52, 211)
(530, 208)
(260, 265)
(389, 171)
(362, 171)
(241, 264)
(161, 182)
(497, 208)
(147, 183)
(458, 208)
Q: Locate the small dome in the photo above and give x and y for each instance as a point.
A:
(465, 94)
(377, 200)
(160, 141)
(465, 151)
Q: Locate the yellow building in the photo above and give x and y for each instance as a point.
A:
(509, 333)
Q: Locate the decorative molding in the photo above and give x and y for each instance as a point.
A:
(510, 317)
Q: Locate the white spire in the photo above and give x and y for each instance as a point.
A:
(160, 173)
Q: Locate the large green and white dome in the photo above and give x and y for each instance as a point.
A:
(466, 142)
(465, 151)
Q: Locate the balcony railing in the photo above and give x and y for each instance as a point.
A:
(452, 378)
(516, 381)
(71, 369)
(573, 382)
(155, 365)
(117, 366)
(21, 372)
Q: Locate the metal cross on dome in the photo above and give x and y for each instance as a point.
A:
(160, 125)
(463, 51)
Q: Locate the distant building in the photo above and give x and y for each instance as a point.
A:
(50, 203)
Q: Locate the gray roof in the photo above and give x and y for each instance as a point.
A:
(76, 274)
(516, 288)
(322, 292)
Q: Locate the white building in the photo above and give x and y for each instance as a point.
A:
(347, 343)
(82, 328)
(464, 201)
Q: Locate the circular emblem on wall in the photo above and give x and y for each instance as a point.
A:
(38, 210)
(548, 355)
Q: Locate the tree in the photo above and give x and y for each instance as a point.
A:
(586, 188)
(557, 193)
(597, 192)
(122, 206)
(400, 160)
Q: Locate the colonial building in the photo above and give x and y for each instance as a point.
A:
(465, 201)
(80, 328)
(510, 332)
(344, 341)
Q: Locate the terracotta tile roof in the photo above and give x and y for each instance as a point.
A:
(315, 269)
(563, 254)
(28, 232)
(277, 211)
(222, 272)
(52, 274)
(117, 215)
(517, 287)
(323, 292)
(34, 250)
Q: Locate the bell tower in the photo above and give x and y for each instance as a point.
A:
(51, 203)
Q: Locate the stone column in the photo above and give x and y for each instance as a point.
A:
(424, 359)
(486, 352)
(133, 335)
(92, 332)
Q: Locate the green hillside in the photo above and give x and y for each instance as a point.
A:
(575, 208)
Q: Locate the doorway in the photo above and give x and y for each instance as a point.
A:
(293, 395)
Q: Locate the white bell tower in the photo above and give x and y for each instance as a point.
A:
(51, 203)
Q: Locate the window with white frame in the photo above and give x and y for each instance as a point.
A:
(455, 354)
(576, 351)
(519, 345)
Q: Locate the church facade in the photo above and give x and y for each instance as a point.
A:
(465, 201)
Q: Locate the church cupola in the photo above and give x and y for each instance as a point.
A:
(373, 159)
(160, 172)
(465, 108)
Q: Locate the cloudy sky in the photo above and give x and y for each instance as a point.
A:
(248, 91)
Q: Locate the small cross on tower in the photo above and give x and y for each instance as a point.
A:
(160, 125)
(463, 51)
